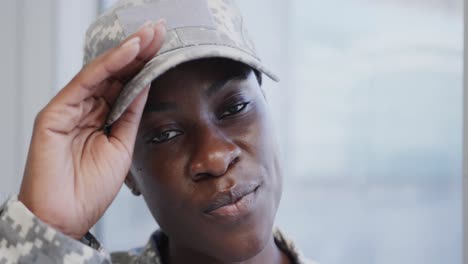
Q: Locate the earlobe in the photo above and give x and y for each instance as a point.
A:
(131, 184)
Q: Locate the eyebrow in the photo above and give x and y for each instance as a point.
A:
(160, 107)
(215, 87)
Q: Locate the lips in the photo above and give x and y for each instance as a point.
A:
(232, 202)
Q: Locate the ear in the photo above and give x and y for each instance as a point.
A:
(131, 183)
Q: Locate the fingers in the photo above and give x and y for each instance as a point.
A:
(157, 42)
(109, 91)
(112, 65)
(146, 54)
(125, 129)
(85, 84)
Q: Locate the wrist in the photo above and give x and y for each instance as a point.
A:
(49, 219)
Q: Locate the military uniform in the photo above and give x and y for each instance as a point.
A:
(24, 238)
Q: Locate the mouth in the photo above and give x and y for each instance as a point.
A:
(232, 203)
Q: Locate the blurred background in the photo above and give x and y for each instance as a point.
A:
(368, 114)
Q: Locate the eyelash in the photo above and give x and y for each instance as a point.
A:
(239, 108)
(167, 133)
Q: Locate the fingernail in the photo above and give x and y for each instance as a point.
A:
(160, 26)
(146, 24)
(162, 22)
(131, 42)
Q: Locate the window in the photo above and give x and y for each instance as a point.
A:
(375, 131)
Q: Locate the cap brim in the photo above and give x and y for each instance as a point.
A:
(164, 62)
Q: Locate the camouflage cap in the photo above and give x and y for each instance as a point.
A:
(196, 29)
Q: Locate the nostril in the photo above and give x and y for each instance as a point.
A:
(200, 176)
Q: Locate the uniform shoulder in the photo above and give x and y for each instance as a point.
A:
(289, 248)
(150, 253)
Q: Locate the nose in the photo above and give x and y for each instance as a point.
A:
(213, 155)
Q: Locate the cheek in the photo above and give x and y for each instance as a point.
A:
(258, 140)
(161, 181)
(169, 195)
(265, 152)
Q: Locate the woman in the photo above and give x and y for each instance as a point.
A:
(189, 131)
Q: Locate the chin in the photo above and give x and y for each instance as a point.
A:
(243, 247)
(249, 239)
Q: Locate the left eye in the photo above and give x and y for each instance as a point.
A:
(165, 136)
(232, 110)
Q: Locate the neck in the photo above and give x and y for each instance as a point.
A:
(270, 254)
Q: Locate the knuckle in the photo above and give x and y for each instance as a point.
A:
(40, 118)
(43, 119)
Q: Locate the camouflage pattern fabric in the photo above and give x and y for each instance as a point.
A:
(196, 29)
(26, 239)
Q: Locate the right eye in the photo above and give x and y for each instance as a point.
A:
(235, 109)
(165, 136)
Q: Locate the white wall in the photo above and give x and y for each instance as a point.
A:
(35, 63)
(465, 145)
(74, 17)
(28, 72)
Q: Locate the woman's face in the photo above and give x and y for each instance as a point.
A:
(205, 160)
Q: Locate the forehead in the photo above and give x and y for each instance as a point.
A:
(205, 68)
(200, 73)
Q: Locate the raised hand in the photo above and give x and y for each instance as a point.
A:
(74, 169)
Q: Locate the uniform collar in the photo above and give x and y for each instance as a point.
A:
(158, 245)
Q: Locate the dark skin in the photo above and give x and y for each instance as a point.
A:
(202, 134)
